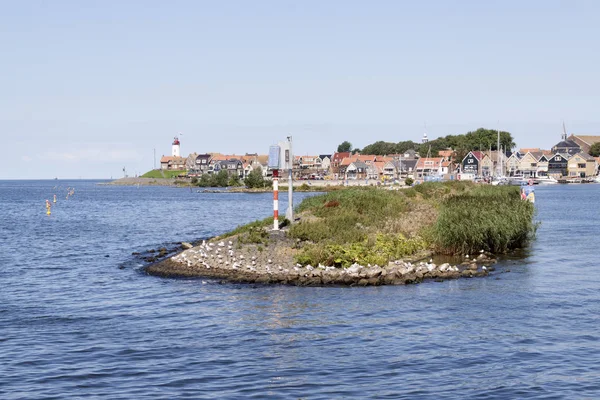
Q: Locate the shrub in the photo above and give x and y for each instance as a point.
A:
(255, 179)
(409, 181)
(487, 218)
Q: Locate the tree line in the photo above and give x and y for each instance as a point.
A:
(481, 139)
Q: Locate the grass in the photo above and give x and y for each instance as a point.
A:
(155, 173)
(250, 229)
(490, 218)
(352, 225)
(368, 225)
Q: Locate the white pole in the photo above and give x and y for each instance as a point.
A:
(275, 200)
(289, 214)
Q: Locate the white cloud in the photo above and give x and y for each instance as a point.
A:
(26, 159)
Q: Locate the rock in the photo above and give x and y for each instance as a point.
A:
(473, 267)
(186, 245)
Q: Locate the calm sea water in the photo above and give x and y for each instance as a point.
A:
(73, 324)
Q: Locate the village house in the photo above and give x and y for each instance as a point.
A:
(511, 164)
(233, 166)
(325, 162)
(558, 165)
(447, 154)
(476, 163)
(428, 167)
(172, 163)
(543, 161)
(356, 170)
(566, 146)
(201, 164)
(584, 142)
(528, 165)
(581, 165)
(336, 162)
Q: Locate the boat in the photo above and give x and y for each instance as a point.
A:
(545, 180)
(517, 180)
(500, 181)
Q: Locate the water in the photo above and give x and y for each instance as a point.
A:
(75, 325)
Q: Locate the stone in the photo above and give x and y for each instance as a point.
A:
(186, 245)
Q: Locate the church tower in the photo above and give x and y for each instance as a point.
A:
(175, 150)
(425, 138)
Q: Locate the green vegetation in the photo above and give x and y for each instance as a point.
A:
(344, 147)
(372, 226)
(481, 139)
(490, 218)
(220, 179)
(248, 228)
(353, 225)
(368, 225)
(255, 180)
(158, 174)
(595, 150)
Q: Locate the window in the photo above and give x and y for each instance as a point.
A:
(580, 165)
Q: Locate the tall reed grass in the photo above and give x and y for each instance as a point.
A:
(490, 218)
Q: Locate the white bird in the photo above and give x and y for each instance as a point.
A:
(484, 268)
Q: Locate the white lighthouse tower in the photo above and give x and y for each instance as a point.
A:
(175, 149)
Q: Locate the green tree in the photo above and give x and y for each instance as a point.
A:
(221, 179)
(595, 150)
(204, 180)
(255, 179)
(344, 147)
(234, 180)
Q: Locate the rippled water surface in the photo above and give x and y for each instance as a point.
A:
(80, 319)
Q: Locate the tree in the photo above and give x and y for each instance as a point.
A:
(234, 180)
(344, 147)
(595, 150)
(221, 179)
(205, 180)
(255, 179)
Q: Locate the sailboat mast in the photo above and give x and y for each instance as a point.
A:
(498, 159)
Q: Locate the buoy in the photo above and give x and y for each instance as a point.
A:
(54, 199)
(48, 206)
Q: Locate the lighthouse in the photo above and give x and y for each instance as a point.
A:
(175, 150)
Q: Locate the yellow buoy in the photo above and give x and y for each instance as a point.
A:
(54, 198)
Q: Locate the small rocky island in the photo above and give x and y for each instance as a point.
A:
(368, 236)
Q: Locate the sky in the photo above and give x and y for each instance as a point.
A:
(88, 88)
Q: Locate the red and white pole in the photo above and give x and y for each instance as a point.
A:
(275, 200)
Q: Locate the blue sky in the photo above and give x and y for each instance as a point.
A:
(90, 87)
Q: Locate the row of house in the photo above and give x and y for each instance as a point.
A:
(568, 158)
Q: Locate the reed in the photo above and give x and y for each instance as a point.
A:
(489, 218)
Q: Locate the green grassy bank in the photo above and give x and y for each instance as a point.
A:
(373, 226)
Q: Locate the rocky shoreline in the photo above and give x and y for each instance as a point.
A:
(228, 259)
